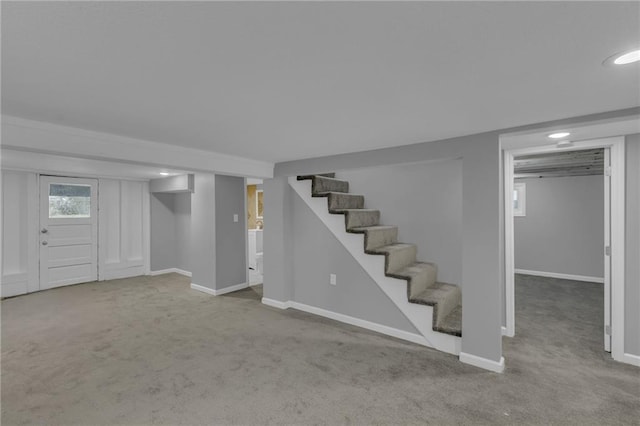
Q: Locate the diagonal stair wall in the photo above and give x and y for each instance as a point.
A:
(395, 289)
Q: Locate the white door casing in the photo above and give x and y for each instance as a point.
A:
(68, 231)
(614, 308)
(607, 250)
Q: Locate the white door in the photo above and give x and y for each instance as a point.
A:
(68, 231)
(607, 249)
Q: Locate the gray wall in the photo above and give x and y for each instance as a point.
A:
(231, 262)
(170, 231)
(163, 232)
(482, 221)
(182, 217)
(425, 201)
(316, 254)
(632, 249)
(481, 261)
(563, 230)
(203, 232)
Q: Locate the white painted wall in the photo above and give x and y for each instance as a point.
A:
(123, 226)
(123, 230)
(19, 233)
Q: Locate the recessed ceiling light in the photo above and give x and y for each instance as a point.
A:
(559, 135)
(164, 173)
(623, 58)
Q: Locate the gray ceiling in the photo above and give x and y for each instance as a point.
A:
(566, 163)
(279, 81)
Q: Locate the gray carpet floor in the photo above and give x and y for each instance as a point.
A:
(149, 350)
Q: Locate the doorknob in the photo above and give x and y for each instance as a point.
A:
(44, 230)
(44, 243)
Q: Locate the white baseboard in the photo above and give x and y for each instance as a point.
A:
(487, 364)
(220, 292)
(276, 303)
(631, 359)
(505, 332)
(169, 271)
(379, 328)
(203, 289)
(561, 276)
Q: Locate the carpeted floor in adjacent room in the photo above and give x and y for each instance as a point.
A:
(150, 350)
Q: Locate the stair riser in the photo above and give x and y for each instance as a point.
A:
(339, 202)
(378, 238)
(398, 259)
(321, 184)
(420, 283)
(447, 305)
(359, 219)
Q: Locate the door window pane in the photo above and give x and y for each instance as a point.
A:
(69, 201)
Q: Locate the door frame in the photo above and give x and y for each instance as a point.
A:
(616, 223)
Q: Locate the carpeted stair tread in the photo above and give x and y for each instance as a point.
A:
(321, 184)
(419, 276)
(357, 218)
(339, 202)
(452, 324)
(397, 255)
(400, 258)
(377, 236)
(308, 177)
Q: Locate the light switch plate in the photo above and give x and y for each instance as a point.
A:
(235, 217)
(332, 279)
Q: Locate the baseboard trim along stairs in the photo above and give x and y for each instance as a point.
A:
(432, 307)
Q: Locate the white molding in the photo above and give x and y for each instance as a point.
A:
(487, 364)
(505, 332)
(276, 303)
(37, 136)
(630, 359)
(220, 292)
(419, 315)
(509, 245)
(169, 271)
(560, 276)
(203, 289)
(378, 328)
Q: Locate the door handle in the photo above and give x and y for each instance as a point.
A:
(44, 230)
(44, 243)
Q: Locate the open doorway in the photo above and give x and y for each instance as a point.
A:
(255, 226)
(605, 156)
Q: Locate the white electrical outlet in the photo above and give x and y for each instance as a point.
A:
(332, 279)
(235, 217)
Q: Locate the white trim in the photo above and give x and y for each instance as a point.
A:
(561, 276)
(419, 315)
(220, 292)
(276, 303)
(505, 332)
(379, 328)
(203, 289)
(616, 145)
(630, 359)
(169, 271)
(487, 364)
(48, 138)
(509, 245)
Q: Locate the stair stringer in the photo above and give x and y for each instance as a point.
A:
(395, 289)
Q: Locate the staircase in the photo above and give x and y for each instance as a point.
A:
(400, 258)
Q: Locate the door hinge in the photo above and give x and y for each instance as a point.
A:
(607, 251)
(607, 330)
(607, 171)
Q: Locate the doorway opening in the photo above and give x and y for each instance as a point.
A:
(610, 152)
(255, 225)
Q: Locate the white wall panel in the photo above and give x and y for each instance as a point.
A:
(123, 228)
(19, 233)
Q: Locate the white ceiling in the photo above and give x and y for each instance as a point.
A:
(291, 80)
